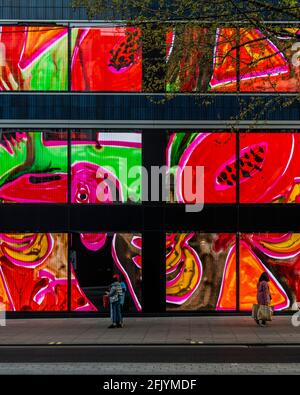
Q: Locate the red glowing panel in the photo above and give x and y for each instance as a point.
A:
(278, 255)
(269, 167)
(265, 66)
(33, 58)
(106, 59)
(216, 152)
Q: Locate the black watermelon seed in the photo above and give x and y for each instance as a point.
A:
(246, 156)
(220, 179)
(257, 158)
(242, 162)
(223, 175)
(250, 164)
(229, 182)
(229, 168)
(260, 149)
(245, 174)
(233, 176)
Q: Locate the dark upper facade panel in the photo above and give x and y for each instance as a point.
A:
(48, 10)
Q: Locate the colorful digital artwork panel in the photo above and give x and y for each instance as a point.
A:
(106, 167)
(34, 271)
(278, 255)
(216, 152)
(267, 63)
(33, 167)
(200, 271)
(95, 257)
(33, 58)
(228, 59)
(269, 167)
(106, 59)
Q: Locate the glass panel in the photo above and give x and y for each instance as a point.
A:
(201, 59)
(34, 271)
(278, 255)
(106, 59)
(201, 271)
(216, 152)
(106, 167)
(95, 257)
(267, 61)
(33, 58)
(269, 167)
(33, 167)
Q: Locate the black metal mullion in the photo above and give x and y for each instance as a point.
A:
(154, 231)
(69, 196)
(69, 58)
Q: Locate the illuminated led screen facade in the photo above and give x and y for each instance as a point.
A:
(110, 59)
(35, 166)
(248, 167)
(201, 270)
(35, 275)
(80, 134)
(229, 59)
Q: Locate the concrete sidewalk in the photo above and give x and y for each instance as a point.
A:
(154, 330)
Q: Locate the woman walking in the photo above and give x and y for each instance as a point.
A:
(263, 294)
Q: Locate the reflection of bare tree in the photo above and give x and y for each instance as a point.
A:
(191, 60)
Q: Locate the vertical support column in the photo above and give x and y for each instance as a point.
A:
(237, 243)
(69, 218)
(69, 58)
(238, 60)
(154, 244)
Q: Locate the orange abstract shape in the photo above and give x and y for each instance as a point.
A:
(262, 65)
(250, 270)
(259, 57)
(38, 40)
(227, 295)
(224, 75)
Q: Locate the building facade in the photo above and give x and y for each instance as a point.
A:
(77, 127)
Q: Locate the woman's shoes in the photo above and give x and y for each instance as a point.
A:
(116, 326)
(262, 323)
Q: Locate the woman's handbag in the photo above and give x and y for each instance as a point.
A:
(254, 311)
(105, 301)
(264, 313)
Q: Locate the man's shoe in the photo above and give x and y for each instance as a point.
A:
(112, 326)
(120, 326)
